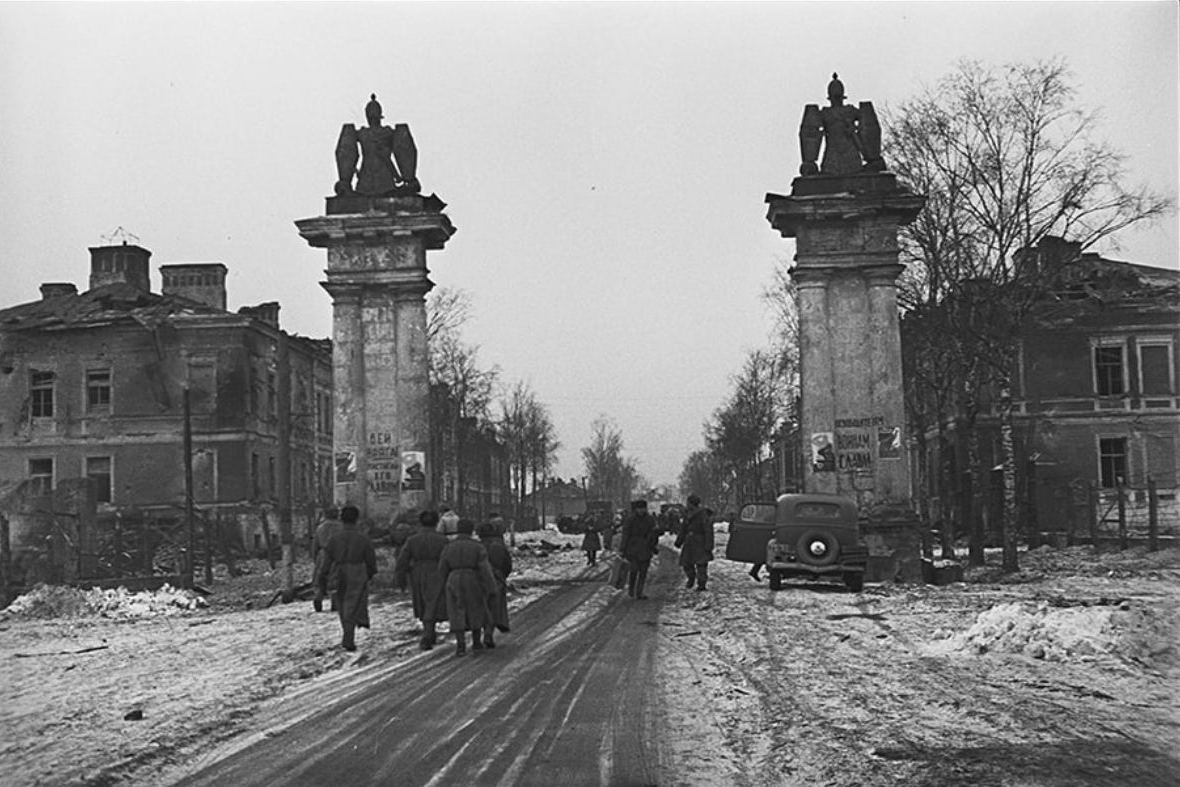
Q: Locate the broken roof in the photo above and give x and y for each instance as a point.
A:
(109, 304)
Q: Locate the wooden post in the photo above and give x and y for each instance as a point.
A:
(5, 562)
(190, 553)
(1092, 514)
(1122, 493)
(118, 543)
(283, 492)
(208, 550)
(1071, 519)
(1153, 516)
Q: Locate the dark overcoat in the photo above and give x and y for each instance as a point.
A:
(467, 577)
(696, 538)
(591, 542)
(640, 538)
(351, 559)
(417, 567)
(500, 559)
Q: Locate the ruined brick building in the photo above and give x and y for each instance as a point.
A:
(92, 385)
(1095, 401)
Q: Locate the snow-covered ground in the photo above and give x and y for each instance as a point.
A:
(68, 682)
(1064, 674)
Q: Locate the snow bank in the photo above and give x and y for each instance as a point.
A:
(1063, 634)
(58, 601)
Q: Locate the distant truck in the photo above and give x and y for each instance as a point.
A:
(599, 516)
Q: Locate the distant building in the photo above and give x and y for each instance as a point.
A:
(92, 385)
(1095, 398)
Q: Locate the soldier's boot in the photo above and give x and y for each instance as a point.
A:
(317, 604)
(349, 641)
(691, 573)
(489, 640)
(476, 642)
(702, 575)
(639, 586)
(428, 635)
(460, 643)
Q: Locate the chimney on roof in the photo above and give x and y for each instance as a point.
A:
(124, 263)
(264, 312)
(203, 282)
(57, 289)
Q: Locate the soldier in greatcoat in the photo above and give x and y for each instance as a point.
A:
(319, 542)
(640, 543)
(696, 543)
(417, 567)
(350, 557)
(500, 559)
(467, 577)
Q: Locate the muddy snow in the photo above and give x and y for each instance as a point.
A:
(1063, 674)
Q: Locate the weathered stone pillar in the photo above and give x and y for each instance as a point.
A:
(853, 411)
(378, 281)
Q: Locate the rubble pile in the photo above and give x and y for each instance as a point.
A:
(1044, 631)
(58, 601)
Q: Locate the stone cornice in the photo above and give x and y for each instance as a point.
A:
(788, 214)
(374, 228)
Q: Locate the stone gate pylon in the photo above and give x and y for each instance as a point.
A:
(377, 235)
(844, 215)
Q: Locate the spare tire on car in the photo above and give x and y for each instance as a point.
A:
(817, 548)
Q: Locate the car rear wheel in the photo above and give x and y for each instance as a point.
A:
(855, 581)
(776, 580)
(817, 548)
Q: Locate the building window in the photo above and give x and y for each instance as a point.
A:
(98, 390)
(98, 470)
(1112, 461)
(41, 393)
(40, 476)
(255, 476)
(1155, 367)
(1109, 377)
(270, 476)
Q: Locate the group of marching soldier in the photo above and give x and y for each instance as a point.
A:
(457, 578)
(454, 576)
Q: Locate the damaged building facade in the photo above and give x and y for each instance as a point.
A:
(1096, 408)
(92, 385)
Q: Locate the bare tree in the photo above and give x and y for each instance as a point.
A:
(741, 431)
(1006, 159)
(461, 391)
(611, 475)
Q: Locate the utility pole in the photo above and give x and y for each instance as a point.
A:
(283, 485)
(188, 486)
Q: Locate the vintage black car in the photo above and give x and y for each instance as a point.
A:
(801, 535)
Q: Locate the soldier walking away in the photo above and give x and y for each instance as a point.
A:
(591, 543)
(696, 543)
(350, 557)
(417, 567)
(500, 560)
(640, 543)
(467, 578)
(319, 542)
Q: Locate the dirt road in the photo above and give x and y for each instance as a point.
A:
(566, 699)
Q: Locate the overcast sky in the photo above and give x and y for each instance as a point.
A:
(605, 163)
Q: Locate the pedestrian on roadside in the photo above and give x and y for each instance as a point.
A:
(467, 577)
(329, 527)
(350, 557)
(448, 522)
(591, 543)
(500, 559)
(696, 543)
(619, 568)
(640, 543)
(417, 567)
